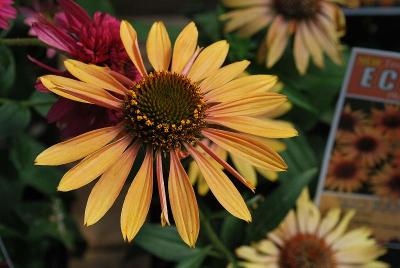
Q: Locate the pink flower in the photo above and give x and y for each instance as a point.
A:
(91, 40)
(7, 12)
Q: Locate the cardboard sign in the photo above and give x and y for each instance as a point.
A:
(361, 168)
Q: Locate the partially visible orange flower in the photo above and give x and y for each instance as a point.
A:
(345, 174)
(386, 183)
(316, 25)
(388, 120)
(367, 145)
(351, 119)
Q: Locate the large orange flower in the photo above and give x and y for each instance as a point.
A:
(345, 174)
(367, 145)
(386, 183)
(388, 120)
(186, 98)
(316, 25)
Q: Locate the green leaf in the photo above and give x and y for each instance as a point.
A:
(274, 208)
(13, 118)
(23, 153)
(7, 70)
(232, 231)
(43, 102)
(209, 24)
(91, 6)
(164, 242)
(299, 156)
(196, 260)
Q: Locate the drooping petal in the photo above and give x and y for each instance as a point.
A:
(138, 199)
(263, 128)
(93, 165)
(301, 53)
(257, 153)
(159, 47)
(80, 91)
(312, 44)
(252, 105)
(107, 189)
(130, 41)
(240, 17)
(245, 168)
(94, 75)
(183, 202)
(209, 61)
(161, 190)
(241, 87)
(184, 48)
(77, 147)
(277, 39)
(220, 185)
(224, 75)
(255, 25)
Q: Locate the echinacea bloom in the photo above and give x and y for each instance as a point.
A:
(7, 12)
(345, 174)
(96, 41)
(308, 239)
(366, 144)
(351, 119)
(388, 120)
(386, 182)
(316, 25)
(167, 113)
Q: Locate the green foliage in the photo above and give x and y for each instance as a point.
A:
(13, 118)
(7, 70)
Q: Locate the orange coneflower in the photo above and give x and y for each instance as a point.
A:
(306, 239)
(351, 119)
(366, 144)
(388, 120)
(345, 174)
(386, 183)
(167, 113)
(316, 25)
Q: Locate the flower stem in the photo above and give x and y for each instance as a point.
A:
(215, 241)
(21, 42)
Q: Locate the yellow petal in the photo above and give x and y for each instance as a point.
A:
(257, 153)
(184, 48)
(252, 105)
(277, 39)
(138, 199)
(312, 44)
(95, 76)
(354, 237)
(263, 128)
(329, 222)
(269, 175)
(220, 185)
(159, 47)
(301, 54)
(130, 42)
(245, 168)
(77, 147)
(340, 228)
(252, 255)
(242, 3)
(268, 247)
(183, 202)
(238, 18)
(80, 91)
(255, 26)
(241, 87)
(209, 61)
(107, 189)
(93, 165)
(224, 75)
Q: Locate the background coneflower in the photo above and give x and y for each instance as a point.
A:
(7, 12)
(388, 120)
(386, 182)
(306, 239)
(317, 26)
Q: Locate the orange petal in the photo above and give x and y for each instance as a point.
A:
(209, 61)
(107, 189)
(301, 54)
(277, 39)
(183, 202)
(80, 91)
(94, 75)
(184, 48)
(254, 151)
(312, 44)
(264, 128)
(77, 147)
(93, 165)
(161, 190)
(220, 185)
(138, 199)
(252, 105)
(159, 47)
(130, 41)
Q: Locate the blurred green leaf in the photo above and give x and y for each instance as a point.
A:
(232, 231)
(13, 118)
(91, 6)
(196, 260)
(7, 70)
(208, 22)
(43, 102)
(164, 242)
(299, 156)
(274, 208)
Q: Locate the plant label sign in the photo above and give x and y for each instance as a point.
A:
(361, 167)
